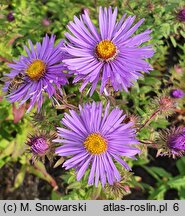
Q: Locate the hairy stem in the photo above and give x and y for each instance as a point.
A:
(146, 142)
(149, 119)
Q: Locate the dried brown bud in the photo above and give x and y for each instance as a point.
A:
(166, 103)
(133, 118)
(151, 6)
(119, 189)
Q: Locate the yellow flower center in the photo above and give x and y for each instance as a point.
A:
(95, 144)
(36, 70)
(106, 50)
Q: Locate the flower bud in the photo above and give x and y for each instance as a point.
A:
(46, 22)
(181, 15)
(10, 17)
(41, 145)
(177, 93)
(178, 69)
(165, 105)
(172, 142)
(135, 119)
(118, 189)
(177, 141)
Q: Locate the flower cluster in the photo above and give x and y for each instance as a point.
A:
(95, 138)
(112, 55)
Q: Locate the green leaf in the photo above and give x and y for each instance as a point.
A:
(74, 185)
(71, 179)
(160, 172)
(182, 194)
(8, 150)
(181, 165)
(82, 192)
(158, 193)
(152, 173)
(55, 195)
(140, 161)
(173, 41)
(152, 81)
(177, 182)
(94, 193)
(20, 177)
(59, 162)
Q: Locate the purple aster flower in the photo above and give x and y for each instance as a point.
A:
(173, 142)
(41, 71)
(181, 15)
(111, 55)
(177, 93)
(95, 139)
